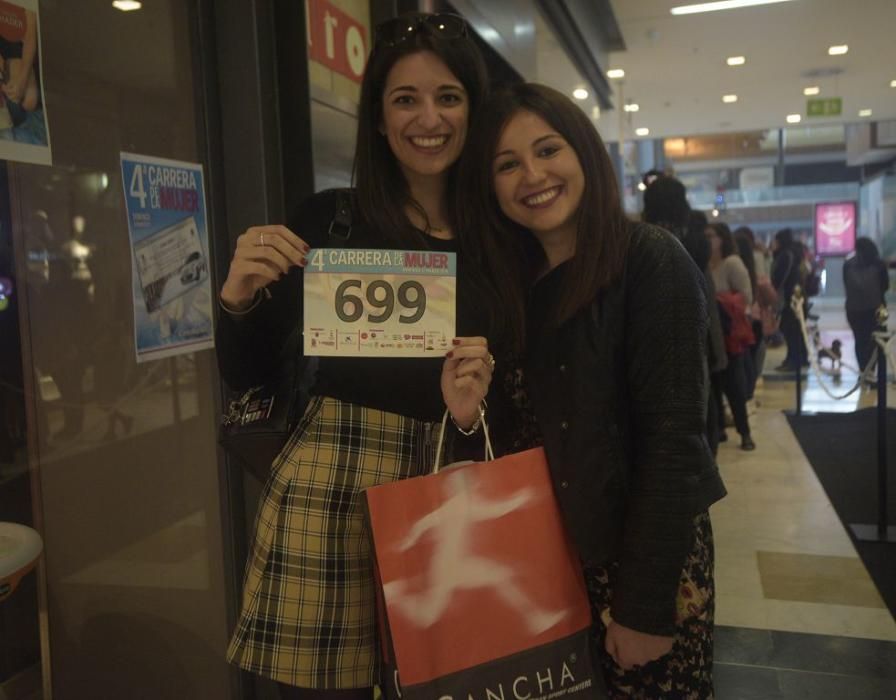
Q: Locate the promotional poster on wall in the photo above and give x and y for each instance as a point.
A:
(835, 228)
(24, 132)
(169, 240)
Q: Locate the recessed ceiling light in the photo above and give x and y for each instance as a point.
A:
(736, 60)
(719, 5)
(580, 94)
(864, 112)
(809, 91)
(893, 83)
(632, 107)
(794, 118)
(642, 186)
(127, 5)
(616, 73)
(838, 50)
(643, 131)
(595, 112)
(715, 213)
(729, 99)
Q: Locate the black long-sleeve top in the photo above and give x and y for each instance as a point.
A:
(250, 347)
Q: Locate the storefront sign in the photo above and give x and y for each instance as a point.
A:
(24, 133)
(379, 303)
(835, 228)
(824, 107)
(336, 40)
(171, 285)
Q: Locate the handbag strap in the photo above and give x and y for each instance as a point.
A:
(489, 451)
(338, 233)
(341, 226)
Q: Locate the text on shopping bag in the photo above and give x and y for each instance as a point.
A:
(379, 303)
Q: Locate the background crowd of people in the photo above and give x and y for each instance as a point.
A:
(753, 285)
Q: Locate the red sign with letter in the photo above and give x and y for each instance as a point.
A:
(835, 228)
(336, 40)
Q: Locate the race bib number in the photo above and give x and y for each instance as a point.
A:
(379, 303)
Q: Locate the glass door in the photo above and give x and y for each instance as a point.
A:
(20, 672)
(123, 452)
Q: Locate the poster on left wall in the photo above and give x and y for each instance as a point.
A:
(172, 289)
(24, 131)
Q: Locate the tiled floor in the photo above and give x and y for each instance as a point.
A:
(799, 616)
(756, 664)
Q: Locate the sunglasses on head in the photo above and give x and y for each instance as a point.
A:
(442, 25)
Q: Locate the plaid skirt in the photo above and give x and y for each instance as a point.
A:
(308, 607)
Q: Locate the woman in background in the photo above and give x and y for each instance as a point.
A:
(866, 280)
(746, 249)
(735, 294)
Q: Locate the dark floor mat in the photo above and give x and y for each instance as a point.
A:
(842, 449)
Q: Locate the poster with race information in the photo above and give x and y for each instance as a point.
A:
(170, 256)
(379, 303)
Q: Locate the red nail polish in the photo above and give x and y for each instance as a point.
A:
(450, 354)
(306, 249)
(303, 262)
(456, 341)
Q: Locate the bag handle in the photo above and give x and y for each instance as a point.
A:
(489, 451)
(341, 226)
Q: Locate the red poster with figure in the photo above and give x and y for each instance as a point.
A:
(481, 592)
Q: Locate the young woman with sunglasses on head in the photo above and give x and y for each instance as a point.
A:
(307, 618)
(612, 326)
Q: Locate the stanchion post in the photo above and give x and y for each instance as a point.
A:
(882, 519)
(882, 445)
(796, 302)
(882, 532)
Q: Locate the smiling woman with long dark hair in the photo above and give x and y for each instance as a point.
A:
(612, 323)
(307, 616)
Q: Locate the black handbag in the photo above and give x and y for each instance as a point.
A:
(258, 424)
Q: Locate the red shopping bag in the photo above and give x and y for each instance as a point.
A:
(481, 593)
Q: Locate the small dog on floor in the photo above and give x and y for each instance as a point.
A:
(833, 353)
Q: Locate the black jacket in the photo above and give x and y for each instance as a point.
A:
(866, 284)
(620, 395)
(785, 273)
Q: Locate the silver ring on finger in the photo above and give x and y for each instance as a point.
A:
(491, 361)
(261, 239)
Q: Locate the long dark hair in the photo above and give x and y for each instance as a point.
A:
(747, 233)
(695, 239)
(382, 191)
(666, 205)
(784, 238)
(866, 251)
(744, 245)
(506, 252)
(724, 234)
